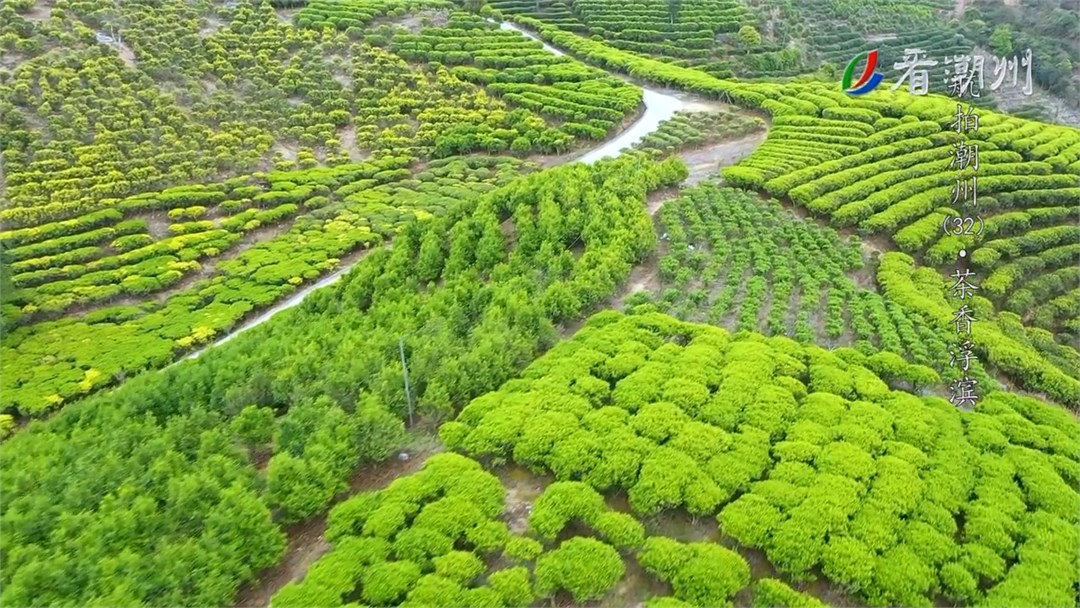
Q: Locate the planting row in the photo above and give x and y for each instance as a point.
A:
(429, 539)
(56, 361)
(736, 261)
(244, 85)
(688, 130)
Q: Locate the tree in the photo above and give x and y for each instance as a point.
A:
(1001, 40)
(300, 487)
(491, 248)
(254, 426)
(431, 257)
(379, 431)
(749, 35)
(673, 10)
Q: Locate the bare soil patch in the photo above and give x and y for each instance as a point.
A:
(307, 541)
(212, 25)
(39, 11)
(288, 151)
(707, 160)
(126, 54)
(348, 143)
(522, 488)
(286, 14)
(157, 224)
(417, 21)
(343, 79)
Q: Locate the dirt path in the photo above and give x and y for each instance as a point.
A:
(348, 143)
(212, 25)
(958, 8)
(522, 488)
(307, 541)
(706, 161)
(126, 54)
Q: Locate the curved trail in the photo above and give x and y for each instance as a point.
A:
(658, 108)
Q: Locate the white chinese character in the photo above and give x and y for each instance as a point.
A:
(1002, 66)
(1026, 62)
(965, 69)
(914, 64)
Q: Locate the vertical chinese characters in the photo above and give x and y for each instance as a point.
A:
(963, 392)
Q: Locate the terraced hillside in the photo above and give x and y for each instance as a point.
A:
(114, 270)
(165, 272)
(179, 169)
(769, 39)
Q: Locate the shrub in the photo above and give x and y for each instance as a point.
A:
(385, 583)
(702, 574)
(522, 549)
(513, 586)
(585, 567)
(459, 566)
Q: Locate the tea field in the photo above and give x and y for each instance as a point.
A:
(308, 301)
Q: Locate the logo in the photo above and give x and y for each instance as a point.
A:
(869, 78)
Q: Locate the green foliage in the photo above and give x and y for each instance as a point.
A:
(143, 495)
(750, 35)
(513, 586)
(701, 574)
(523, 549)
(889, 495)
(585, 567)
(772, 593)
(386, 582)
(459, 566)
(254, 425)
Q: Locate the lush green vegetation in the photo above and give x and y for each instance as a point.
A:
(807, 454)
(429, 539)
(113, 273)
(1039, 25)
(175, 167)
(174, 451)
(216, 89)
(340, 211)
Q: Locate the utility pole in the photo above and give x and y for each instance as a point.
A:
(405, 369)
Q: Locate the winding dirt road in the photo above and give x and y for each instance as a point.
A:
(659, 106)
